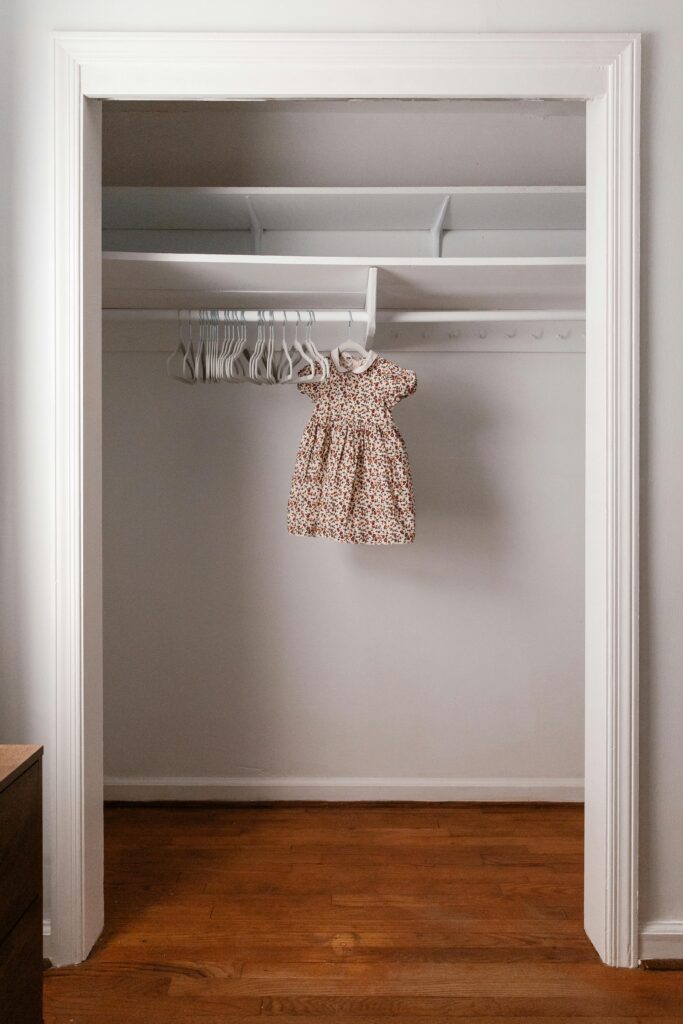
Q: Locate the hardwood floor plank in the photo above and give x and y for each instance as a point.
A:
(360, 914)
(474, 981)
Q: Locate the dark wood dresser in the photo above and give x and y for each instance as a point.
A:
(21, 889)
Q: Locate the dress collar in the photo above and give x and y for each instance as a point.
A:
(360, 368)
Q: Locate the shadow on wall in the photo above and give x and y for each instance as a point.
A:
(450, 432)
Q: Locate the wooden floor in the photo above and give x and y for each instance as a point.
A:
(341, 913)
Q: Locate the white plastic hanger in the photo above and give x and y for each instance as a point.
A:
(271, 375)
(237, 366)
(183, 373)
(214, 348)
(199, 367)
(368, 356)
(225, 318)
(317, 357)
(316, 365)
(217, 343)
(262, 368)
(298, 350)
(188, 360)
(209, 367)
(258, 367)
(312, 376)
(285, 368)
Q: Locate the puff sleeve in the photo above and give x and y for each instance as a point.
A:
(399, 384)
(312, 389)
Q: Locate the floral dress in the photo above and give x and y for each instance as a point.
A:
(352, 480)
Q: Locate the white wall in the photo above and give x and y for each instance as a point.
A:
(368, 142)
(27, 569)
(451, 669)
(234, 650)
(7, 603)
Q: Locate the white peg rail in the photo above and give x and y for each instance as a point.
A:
(157, 331)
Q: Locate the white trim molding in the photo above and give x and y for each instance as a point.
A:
(246, 788)
(600, 68)
(47, 939)
(67, 841)
(661, 940)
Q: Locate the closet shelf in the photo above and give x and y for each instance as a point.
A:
(344, 209)
(162, 280)
(368, 222)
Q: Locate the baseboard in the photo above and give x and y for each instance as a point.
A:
(341, 788)
(47, 939)
(661, 940)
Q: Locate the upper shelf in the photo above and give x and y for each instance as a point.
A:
(170, 281)
(344, 209)
(450, 248)
(453, 221)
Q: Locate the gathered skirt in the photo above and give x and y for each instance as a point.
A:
(352, 484)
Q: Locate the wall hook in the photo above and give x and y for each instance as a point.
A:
(512, 333)
(483, 333)
(563, 335)
(538, 335)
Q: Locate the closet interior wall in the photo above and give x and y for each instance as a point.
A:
(240, 662)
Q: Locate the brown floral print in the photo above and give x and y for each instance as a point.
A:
(352, 479)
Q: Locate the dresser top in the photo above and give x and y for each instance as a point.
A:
(16, 758)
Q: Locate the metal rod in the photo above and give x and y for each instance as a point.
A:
(323, 316)
(383, 316)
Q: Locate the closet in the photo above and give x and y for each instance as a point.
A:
(244, 663)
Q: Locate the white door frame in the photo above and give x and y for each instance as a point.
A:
(604, 70)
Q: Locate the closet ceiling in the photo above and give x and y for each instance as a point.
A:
(329, 143)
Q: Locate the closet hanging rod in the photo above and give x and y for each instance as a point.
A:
(384, 316)
(443, 316)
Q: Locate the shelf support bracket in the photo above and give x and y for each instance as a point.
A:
(436, 230)
(256, 226)
(371, 304)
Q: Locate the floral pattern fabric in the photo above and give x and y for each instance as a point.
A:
(352, 479)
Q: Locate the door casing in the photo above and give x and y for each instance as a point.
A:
(601, 68)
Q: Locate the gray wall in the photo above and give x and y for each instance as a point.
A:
(368, 142)
(26, 457)
(234, 650)
(457, 662)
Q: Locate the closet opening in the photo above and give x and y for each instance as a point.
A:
(327, 752)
